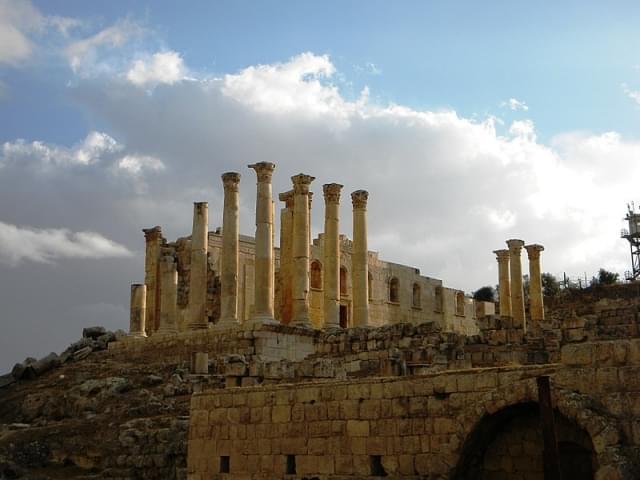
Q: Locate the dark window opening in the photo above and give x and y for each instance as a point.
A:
(344, 320)
(224, 464)
(394, 290)
(377, 469)
(291, 464)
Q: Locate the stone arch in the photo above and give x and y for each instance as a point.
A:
(460, 304)
(493, 407)
(394, 290)
(316, 275)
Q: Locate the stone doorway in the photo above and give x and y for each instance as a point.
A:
(509, 444)
(344, 316)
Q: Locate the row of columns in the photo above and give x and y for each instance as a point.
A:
(510, 285)
(294, 265)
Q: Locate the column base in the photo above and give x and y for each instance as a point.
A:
(198, 326)
(227, 324)
(334, 327)
(258, 320)
(137, 335)
(303, 322)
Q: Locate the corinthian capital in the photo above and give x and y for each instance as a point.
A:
(332, 192)
(301, 183)
(264, 171)
(359, 198)
(230, 180)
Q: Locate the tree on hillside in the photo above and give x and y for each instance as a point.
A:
(550, 285)
(485, 294)
(606, 277)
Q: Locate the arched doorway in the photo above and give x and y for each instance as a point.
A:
(509, 442)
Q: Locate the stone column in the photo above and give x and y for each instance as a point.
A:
(517, 292)
(198, 279)
(331, 273)
(263, 283)
(360, 259)
(536, 303)
(301, 249)
(138, 310)
(230, 252)
(169, 299)
(153, 241)
(286, 256)
(504, 286)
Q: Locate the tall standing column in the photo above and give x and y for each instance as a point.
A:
(138, 308)
(169, 299)
(286, 256)
(263, 283)
(504, 287)
(517, 292)
(198, 280)
(360, 259)
(153, 243)
(331, 274)
(229, 258)
(536, 302)
(301, 249)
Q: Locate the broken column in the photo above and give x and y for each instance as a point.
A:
(138, 310)
(198, 280)
(286, 256)
(301, 249)
(153, 244)
(536, 302)
(504, 287)
(263, 283)
(169, 299)
(331, 274)
(359, 259)
(517, 292)
(229, 258)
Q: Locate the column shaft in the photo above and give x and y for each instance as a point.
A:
(230, 251)
(169, 299)
(199, 267)
(536, 301)
(331, 267)
(153, 243)
(286, 256)
(517, 292)
(360, 259)
(263, 283)
(138, 308)
(301, 249)
(504, 287)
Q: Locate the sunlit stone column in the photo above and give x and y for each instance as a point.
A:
(198, 280)
(536, 302)
(138, 310)
(169, 298)
(153, 244)
(359, 259)
(504, 287)
(230, 252)
(286, 256)
(263, 286)
(301, 249)
(517, 292)
(331, 273)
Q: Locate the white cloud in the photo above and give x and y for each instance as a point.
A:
(135, 164)
(46, 245)
(162, 67)
(515, 104)
(632, 94)
(87, 56)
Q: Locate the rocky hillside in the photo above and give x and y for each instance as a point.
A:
(83, 414)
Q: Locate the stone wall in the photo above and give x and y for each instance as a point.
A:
(417, 426)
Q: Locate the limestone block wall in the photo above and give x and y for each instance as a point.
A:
(434, 425)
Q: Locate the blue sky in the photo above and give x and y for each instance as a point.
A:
(468, 122)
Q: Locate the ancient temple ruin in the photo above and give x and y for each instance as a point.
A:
(222, 279)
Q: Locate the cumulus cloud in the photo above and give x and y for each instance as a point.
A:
(88, 56)
(161, 67)
(46, 245)
(20, 21)
(445, 190)
(515, 104)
